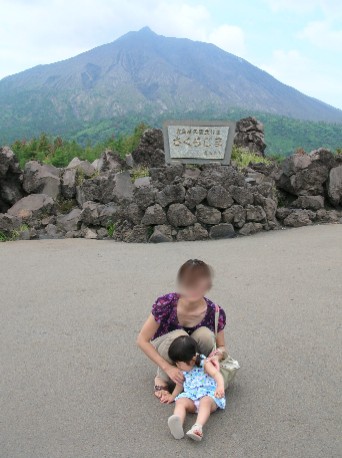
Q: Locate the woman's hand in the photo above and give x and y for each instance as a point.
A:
(175, 375)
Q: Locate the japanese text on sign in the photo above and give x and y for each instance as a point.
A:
(197, 142)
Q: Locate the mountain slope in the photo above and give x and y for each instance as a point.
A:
(139, 73)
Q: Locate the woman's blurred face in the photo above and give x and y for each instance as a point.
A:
(195, 291)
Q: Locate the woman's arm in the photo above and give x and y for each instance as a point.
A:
(148, 330)
(222, 352)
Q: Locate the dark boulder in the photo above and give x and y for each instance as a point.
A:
(309, 202)
(299, 218)
(249, 134)
(241, 195)
(69, 222)
(255, 213)
(235, 215)
(222, 231)
(109, 161)
(250, 228)
(42, 179)
(10, 179)
(219, 197)
(154, 215)
(208, 215)
(305, 174)
(150, 151)
(173, 193)
(161, 233)
(335, 185)
(179, 215)
(190, 233)
(96, 214)
(138, 234)
(215, 174)
(167, 174)
(144, 196)
(9, 223)
(195, 196)
(33, 206)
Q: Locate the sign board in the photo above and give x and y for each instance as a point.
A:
(198, 142)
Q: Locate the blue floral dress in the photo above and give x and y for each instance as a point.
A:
(198, 383)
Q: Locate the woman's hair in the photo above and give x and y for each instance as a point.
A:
(193, 270)
(183, 349)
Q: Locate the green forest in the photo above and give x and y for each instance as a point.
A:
(59, 152)
(283, 137)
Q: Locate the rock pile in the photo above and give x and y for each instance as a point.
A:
(249, 134)
(130, 202)
(10, 179)
(150, 151)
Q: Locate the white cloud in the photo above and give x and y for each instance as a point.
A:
(329, 7)
(291, 63)
(294, 69)
(39, 32)
(230, 38)
(180, 20)
(323, 35)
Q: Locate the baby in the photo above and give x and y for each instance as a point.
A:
(203, 388)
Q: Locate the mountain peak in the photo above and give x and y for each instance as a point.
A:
(146, 30)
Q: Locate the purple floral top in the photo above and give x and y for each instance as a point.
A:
(164, 311)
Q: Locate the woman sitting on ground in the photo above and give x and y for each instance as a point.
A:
(185, 312)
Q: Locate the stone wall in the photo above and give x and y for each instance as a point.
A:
(136, 201)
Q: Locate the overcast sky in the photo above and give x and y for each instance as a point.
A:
(297, 41)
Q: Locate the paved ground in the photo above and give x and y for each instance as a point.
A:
(74, 384)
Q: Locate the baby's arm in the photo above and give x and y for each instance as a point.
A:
(211, 370)
(170, 397)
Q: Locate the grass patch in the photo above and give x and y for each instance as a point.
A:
(65, 205)
(150, 230)
(14, 234)
(139, 172)
(243, 157)
(3, 237)
(111, 229)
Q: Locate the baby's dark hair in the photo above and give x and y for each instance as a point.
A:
(183, 349)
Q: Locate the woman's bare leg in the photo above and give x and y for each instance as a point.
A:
(159, 382)
(205, 339)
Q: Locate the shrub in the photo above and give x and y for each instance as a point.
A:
(243, 157)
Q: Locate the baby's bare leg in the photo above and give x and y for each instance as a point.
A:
(175, 422)
(206, 406)
(184, 405)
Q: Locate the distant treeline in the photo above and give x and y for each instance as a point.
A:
(59, 152)
(283, 135)
(89, 143)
